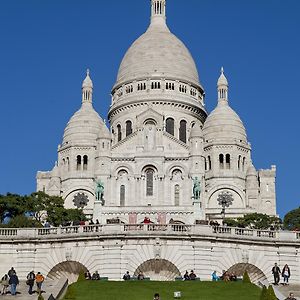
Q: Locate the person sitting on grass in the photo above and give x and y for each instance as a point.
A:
(96, 276)
(192, 275)
(214, 276)
(186, 276)
(156, 296)
(126, 276)
(87, 275)
(141, 276)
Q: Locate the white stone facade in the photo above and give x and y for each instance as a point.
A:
(160, 139)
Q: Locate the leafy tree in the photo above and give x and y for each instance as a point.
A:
(271, 294)
(21, 221)
(264, 293)
(246, 278)
(255, 221)
(291, 220)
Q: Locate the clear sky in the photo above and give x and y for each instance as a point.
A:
(46, 46)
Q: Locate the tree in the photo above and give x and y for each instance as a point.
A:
(291, 220)
(255, 221)
(246, 278)
(264, 293)
(20, 221)
(271, 294)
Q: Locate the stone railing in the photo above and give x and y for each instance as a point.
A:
(172, 229)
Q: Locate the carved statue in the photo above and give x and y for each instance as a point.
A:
(196, 188)
(99, 190)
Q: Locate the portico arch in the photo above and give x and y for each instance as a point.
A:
(158, 269)
(253, 271)
(67, 269)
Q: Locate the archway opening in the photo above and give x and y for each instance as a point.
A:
(67, 269)
(254, 272)
(158, 269)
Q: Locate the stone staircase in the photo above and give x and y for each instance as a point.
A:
(22, 292)
(286, 289)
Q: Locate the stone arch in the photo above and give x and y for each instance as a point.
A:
(174, 166)
(67, 269)
(124, 166)
(254, 272)
(158, 269)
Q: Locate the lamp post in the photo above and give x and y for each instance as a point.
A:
(225, 199)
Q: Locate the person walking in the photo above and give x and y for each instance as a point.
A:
(39, 279)
(13, 281)
(5, 284)
(286, 273)
(11, 272)
(290, 297)
(30, 281)
(276, 273)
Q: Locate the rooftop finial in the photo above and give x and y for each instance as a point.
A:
(222, 87)
(87, 72)
(87, 88)
(158, 15)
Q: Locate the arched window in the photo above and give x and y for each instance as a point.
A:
(244, 162)
(122, 195)
(149, 182)
(227, 158)
(170, 126)
(221, 161)
(85, 162)
(239, 162)
(209, 162)
(176, 194)
(119, 132)
(128, 128)
(205, 164)
(182, 131)
(68, 163)
(78, 163)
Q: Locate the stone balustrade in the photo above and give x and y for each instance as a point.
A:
(174, 229)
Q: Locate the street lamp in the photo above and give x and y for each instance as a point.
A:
(225, 199)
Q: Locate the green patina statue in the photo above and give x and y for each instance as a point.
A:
(99, 190)
(196, 188)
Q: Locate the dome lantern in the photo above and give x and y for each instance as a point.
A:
(87, 89)
(222, 87)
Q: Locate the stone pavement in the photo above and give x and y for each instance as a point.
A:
(22, 293)
(286, 289)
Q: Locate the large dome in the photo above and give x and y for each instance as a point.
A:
(158, 52)
(224, 123)
(85, 126)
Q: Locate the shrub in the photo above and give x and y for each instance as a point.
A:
(81, 276)
(246, 278)
(70, 294)
(264, 293)
(271, 294)
(41, 297)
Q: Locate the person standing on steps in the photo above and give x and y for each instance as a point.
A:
(13, 281)
(276, 273)
(286, 273)
(30, 281)
(5, 284)
(39, 279)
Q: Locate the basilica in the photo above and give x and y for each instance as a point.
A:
(163, 157)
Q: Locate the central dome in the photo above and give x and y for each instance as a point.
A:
(160, 53)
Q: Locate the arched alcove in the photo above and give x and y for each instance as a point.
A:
(254, 272)
(68, 269)
(158, 269)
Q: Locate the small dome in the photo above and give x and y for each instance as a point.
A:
(158, 52)
(224, 123)
(85, 126)
(196, 131)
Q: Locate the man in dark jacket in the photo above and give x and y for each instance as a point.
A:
(290, 297)
(13, 281)
(30, 281)
(276, 273)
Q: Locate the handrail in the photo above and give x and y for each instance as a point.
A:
(173, 229)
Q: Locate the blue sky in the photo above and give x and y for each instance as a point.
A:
(47, 45)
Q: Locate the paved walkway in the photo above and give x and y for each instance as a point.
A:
(22, 293)
(286, 289)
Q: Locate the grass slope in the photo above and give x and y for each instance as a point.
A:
(141, 290)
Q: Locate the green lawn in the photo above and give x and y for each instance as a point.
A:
(144, 290)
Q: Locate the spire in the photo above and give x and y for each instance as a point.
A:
(87, 88)
(222, 87)
(158, 13)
